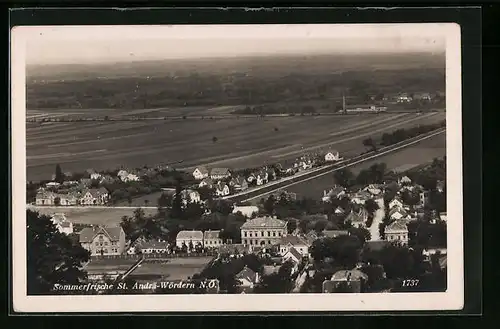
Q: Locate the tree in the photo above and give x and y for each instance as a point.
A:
(129, 200)
(343, 177)
(361, 233)
(371, 206)
(57, 201)
(280, 282)
(146, 202)
(269, 204)
(177, 210)
(59, 176)
(214, 139)
(368, 142)
(344, 249)
(52, 257)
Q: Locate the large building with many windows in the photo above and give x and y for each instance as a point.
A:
(263, 231)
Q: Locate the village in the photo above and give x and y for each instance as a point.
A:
(370, 219)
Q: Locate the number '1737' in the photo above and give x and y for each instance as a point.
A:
(410, 283)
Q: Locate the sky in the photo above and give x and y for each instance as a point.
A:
(88, 45)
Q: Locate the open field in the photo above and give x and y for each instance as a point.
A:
(173, 269)
(241, 143)
(421, 153)
(102, 216)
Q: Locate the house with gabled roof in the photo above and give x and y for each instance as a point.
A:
(405, 180)
(296, 242)
(360, 197)
(292, 255)
(356, 219)
(222, 189)
(93, 197)
(200, 173)
(238, 183)
(335, 192)
(100, 240)
(262, 231)
(206, 182)
(396, 202)
(220, 173)
(332, 155)
(153, 246)
(374, 189)
(211, 239)
(186, 237)
(247, 278)
(398, 213)
(397, 232)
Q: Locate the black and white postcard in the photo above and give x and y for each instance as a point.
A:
(237, 168)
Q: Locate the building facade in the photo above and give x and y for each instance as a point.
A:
(103, 240)
(263, 231)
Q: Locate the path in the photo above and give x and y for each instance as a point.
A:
(377, 219)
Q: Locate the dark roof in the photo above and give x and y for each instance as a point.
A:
(220, 171)
(202, 169)
(293, 240)
(89, 233)
(264, 222)
(294, 253)
(211, 234)
(153, 244)
(247, 273)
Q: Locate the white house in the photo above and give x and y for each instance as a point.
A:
(335, 192)
(397, 231)
(291, 241)
(95, 176)
(398, 213)
(185, 237)
(247, 211)
(200, 173)
(153, 247)
(211, 239)
(396, 202)
(405, 180)
(247, 278)
(222, 189)
(206, 182)
(131, 178)
(98, 196)
(332, 156)
(190, 196)
(442, 216)
(220, 173)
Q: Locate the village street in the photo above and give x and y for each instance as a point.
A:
(377, 219)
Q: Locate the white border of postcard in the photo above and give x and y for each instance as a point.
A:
(452, 299)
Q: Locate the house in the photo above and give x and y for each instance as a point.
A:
(311, 236)
(424, 198)
(239, 184)
(293, 242)
(95, 176)
(153, 247)
(374, 189)
(332, 156)
(69, 199)
(62, 224)
(222, 189)
(131, 178)
(103, 240)
(211, 239)
(45, 198)
(405, 180)
(271, 174)
(247, 278)
(263, 231)
(335, 192)
(94, 197)
(356, 219)
(261, 177)
(233, 250)
(206, 182)
(398, 213)
(404, 98)
(345, 281)
(442, 216)
(122, 174)
(52, 184)
(190, 196)
(292, 255)
(200, 173)
(360, 197)
(187, 237)
(247, 211)
(334, 233)
(397, 231)
(422, 96)
(220, 173)
(396, 202)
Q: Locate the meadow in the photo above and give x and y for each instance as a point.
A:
(235, 143)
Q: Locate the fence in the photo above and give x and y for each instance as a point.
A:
(154, 255)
